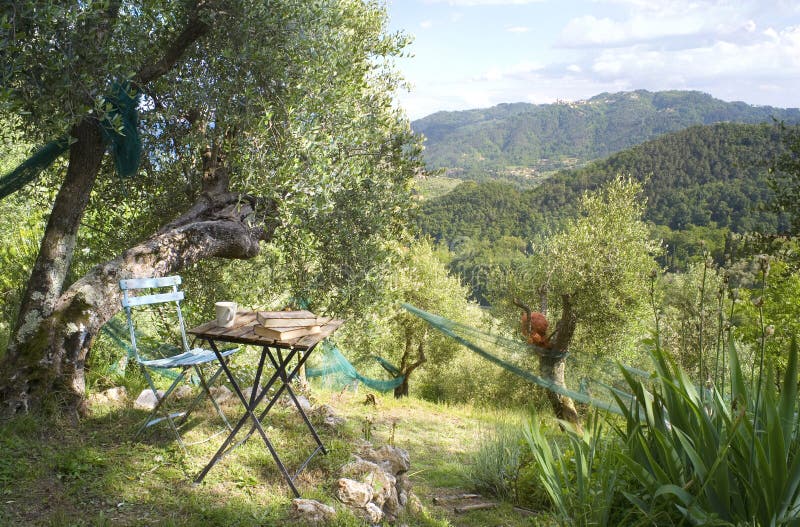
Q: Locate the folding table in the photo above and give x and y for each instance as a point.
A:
(243, 332)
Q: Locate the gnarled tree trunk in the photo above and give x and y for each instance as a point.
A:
(51, 360)
(409, 364)
(553, 367)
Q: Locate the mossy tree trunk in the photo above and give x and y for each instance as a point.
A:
(50, 360)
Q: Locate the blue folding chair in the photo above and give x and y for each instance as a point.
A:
(139, 292)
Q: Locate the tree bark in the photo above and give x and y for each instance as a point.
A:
(55, 328)
(51, 361)
(552, 367)
(407, 369)
(58, 243)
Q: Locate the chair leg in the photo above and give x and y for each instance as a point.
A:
(159, 404)
(205, 392)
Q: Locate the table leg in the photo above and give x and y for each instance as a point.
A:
(294, 397)
(248, 414)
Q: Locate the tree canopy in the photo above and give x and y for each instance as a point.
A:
(260, 122)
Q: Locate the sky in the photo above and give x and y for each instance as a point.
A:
(479, 53)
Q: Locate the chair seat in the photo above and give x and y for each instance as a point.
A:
(188, 358)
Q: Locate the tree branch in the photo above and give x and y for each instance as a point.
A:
(194, 30)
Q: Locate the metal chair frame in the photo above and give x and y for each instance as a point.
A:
(191, 359)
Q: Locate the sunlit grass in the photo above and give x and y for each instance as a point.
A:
(53, 472)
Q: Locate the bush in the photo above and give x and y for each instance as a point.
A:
(498, 463)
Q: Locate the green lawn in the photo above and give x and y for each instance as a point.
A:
(54, 472)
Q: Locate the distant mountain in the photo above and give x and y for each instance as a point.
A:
(523, 140)
(701, 176)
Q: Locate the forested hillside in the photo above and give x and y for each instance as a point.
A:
(702, 176)
(523, 140)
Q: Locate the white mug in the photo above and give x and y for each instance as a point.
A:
(226, 314)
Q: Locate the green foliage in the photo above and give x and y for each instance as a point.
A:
(498, 462)
(785, 177)
(488, 142)
(420, 278)
(602, 259)
(699, 183)
(580, 480)
(699, 456)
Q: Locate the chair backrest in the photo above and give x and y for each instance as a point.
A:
(151, 287)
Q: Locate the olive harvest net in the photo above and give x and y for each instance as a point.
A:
(601, 382)
(120, 131)
(335, 371)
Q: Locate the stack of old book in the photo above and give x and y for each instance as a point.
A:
(288, 325)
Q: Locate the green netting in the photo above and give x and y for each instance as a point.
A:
(123, 140)
(600, 380)
(120, 130)
(119, 333)
(393, 370)
(32, 167)
(337, 372)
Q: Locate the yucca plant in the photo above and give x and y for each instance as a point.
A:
(712, 460)
(580, 480)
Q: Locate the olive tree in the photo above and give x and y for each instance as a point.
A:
(594, 273)
(419, 277)
(260, 122)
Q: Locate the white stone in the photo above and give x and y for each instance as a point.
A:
(248, 392)
(383, 484)
(118, 393)
(353, 493)
(147, 400)
(312, 511)
(374, 514)
(392, 459)
(334, 421)
(304, 403)
(414, 506)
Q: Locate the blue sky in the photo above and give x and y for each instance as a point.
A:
(478, 53)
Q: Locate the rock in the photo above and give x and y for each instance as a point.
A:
(372, 513)
(382, 483)
(118, 393)
(414, 506)
(183, 392)
(112, 395)
(334, 421)
(391, 507)
(403, 487)
(147, 400)
(221, 393)
(328, 416)
(392, 459)
(312, 511)
(353, 493)
(247, 392)
(304, 403)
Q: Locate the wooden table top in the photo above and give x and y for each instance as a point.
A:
(242, 333)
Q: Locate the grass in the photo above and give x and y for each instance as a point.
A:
(54, 473)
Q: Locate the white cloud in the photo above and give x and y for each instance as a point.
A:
(777, 55)
(426, 24)
(518, 70)
(483, 2)
(651, 20)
